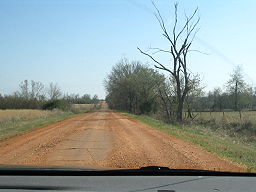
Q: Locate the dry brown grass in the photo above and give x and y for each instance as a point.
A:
(79, 108)
(13, 122)
(229, 117)
(241, 127)
(23, 114)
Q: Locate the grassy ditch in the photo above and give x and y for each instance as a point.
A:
(241, 126)
(222, 145)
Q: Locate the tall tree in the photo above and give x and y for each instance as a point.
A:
(180, 41)
(24, 89)
(236, 86)
(54, 91)
(37, 90)
(215, 99)
(131, 87)
(196, 91)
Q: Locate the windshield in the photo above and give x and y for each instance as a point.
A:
(128, 84)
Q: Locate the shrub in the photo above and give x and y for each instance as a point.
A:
(56, 104)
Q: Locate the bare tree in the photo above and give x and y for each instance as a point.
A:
(180, 41)
(37, 90)
(54, 92)
(24, 89)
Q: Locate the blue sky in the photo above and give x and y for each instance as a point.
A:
(76, 43)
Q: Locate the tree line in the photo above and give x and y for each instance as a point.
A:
(136, 88)
(235, 95)
(35, 95)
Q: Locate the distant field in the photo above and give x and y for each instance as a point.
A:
(81, 108)
(229, 117)
(22, 114)
(238, 125)
(13, 122)
(103, 105)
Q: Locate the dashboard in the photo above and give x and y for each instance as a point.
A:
(35, 183)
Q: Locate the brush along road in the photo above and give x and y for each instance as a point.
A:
(106, 139)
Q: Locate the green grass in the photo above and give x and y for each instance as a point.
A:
(10, 128)
(223, 146)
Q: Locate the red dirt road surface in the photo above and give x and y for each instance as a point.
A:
(106, 139)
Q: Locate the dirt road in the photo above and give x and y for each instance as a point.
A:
(106, 139)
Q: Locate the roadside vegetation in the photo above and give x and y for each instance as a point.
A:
(238, 125)
(13, 122)
(35, 105)
(36, 95)
(222, 120)
(138, 89)
(16, 121)
(215, 142)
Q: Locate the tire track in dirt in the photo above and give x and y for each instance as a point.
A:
(106, 139)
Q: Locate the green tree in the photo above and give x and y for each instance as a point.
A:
(236, 86)
(131, 87)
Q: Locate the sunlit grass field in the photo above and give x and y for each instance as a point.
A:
(23, 114)
(13, 122)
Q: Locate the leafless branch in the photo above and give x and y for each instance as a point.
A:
(159, 50)
(192, 39)
(175, 22)
(194, 50)
(192, 28)
(161, 66)
(187, 23)
(161, 23)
